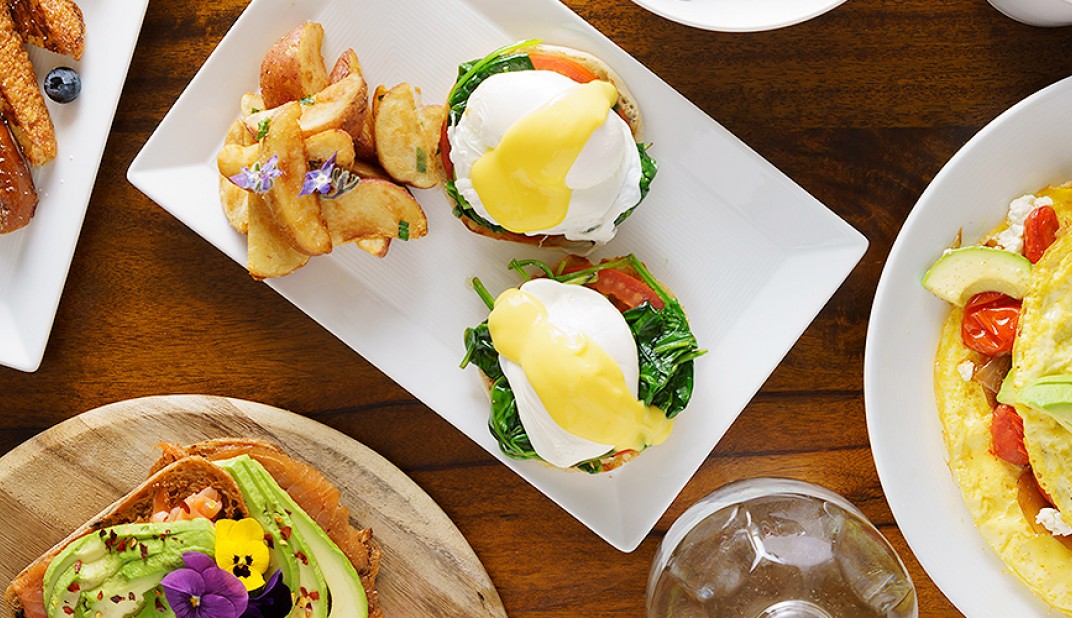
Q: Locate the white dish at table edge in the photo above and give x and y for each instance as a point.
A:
(1025, 148)
(35, 259)
(739, 15)
(771, 240)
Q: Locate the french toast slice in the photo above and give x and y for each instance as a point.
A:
(21, 102)
(18, 197)
(55, 25)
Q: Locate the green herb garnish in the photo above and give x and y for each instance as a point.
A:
(307, 100)
(665, 345)
(262, 128)
(403, 230)
(422, 160)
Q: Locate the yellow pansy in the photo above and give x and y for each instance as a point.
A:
(240, 549)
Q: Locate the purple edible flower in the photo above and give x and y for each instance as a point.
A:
(319, 180)
(259, 178)
(272, 601)
(203, 590)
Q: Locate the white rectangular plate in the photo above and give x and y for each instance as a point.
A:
(34, 260)
(752, 256)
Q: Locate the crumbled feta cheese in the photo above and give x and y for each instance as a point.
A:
(966, 370)
(1052, 520)
(1012, 239)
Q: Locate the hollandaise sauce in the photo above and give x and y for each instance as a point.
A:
(580, 384)
(522, 182)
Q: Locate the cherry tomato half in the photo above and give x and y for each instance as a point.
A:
(1007, 435)
(989, 325)
(1040, 230)
(624, 290)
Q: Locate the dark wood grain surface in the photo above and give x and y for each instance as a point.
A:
(861, 107)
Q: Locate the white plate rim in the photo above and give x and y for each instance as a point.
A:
(773, 22)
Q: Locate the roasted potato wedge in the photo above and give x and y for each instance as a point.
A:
(252, 102)
(293, 68)
(346, 65)
(374, 208)
(269, 251)
(235, 202)
(320, 147)
(369, 170)
(375, 246)
(298, 216)
(405, 146)
(232, 158)
(339, 106)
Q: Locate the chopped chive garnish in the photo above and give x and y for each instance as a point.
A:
(422, 160)
(403, 230)
(306, 100)
(262, 128)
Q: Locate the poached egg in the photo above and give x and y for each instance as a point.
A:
(540, 154)
(572, 364)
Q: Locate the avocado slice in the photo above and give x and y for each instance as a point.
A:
(112, 573)
(1050, 395)
(962, 273)
(336, 579)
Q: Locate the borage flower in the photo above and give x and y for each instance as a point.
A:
(203, 590)
(241, 550)
(272, 601)
(319, 181)
(260, 177)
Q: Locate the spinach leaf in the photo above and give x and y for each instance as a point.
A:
(472, 73)
(504, 423)
(667, 348)
(462, 207)
(648, 169)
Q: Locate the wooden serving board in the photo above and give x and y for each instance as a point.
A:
(59, 479)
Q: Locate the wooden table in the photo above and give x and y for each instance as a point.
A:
(861, 107)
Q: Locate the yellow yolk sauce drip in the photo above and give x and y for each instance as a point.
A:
(522, 181)
(582, 387)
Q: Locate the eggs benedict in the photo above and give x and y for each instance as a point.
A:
(540, 147)
(587, 365)
(1003, 386)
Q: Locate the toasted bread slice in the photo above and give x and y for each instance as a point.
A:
(172, 484)
(309, 488)
(55, 25)
(21, 102)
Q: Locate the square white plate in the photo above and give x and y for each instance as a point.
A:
(752, 256)
(34, 260)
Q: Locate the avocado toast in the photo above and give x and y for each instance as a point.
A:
(228, 527)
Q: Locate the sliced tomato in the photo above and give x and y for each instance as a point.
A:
(989, 325)
(1040, 230)
(1007, 435)
(624, 290)
(542, 61)
(444, 152)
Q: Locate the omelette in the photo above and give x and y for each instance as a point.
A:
(1019, 506)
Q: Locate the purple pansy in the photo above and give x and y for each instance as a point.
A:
(258, 178)
(319, 180)
(272, 601)
(203, 590)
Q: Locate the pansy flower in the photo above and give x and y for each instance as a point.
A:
(241, 550)
(272, 601)
(203, 590)
(259, 177)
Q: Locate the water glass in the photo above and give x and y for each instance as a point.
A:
(777, 548)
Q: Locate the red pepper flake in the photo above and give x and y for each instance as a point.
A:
(77, 566)
(132, 597)
(100, 595)
(285, 532)
(269, 541)
(117, 599)
(144, 552)
(74, 587)
(303, 591)
(160, 606)
(315, 595)
(68, 610)
(301, 556)
(122, 547)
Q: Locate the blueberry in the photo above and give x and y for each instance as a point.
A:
(63, 85)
